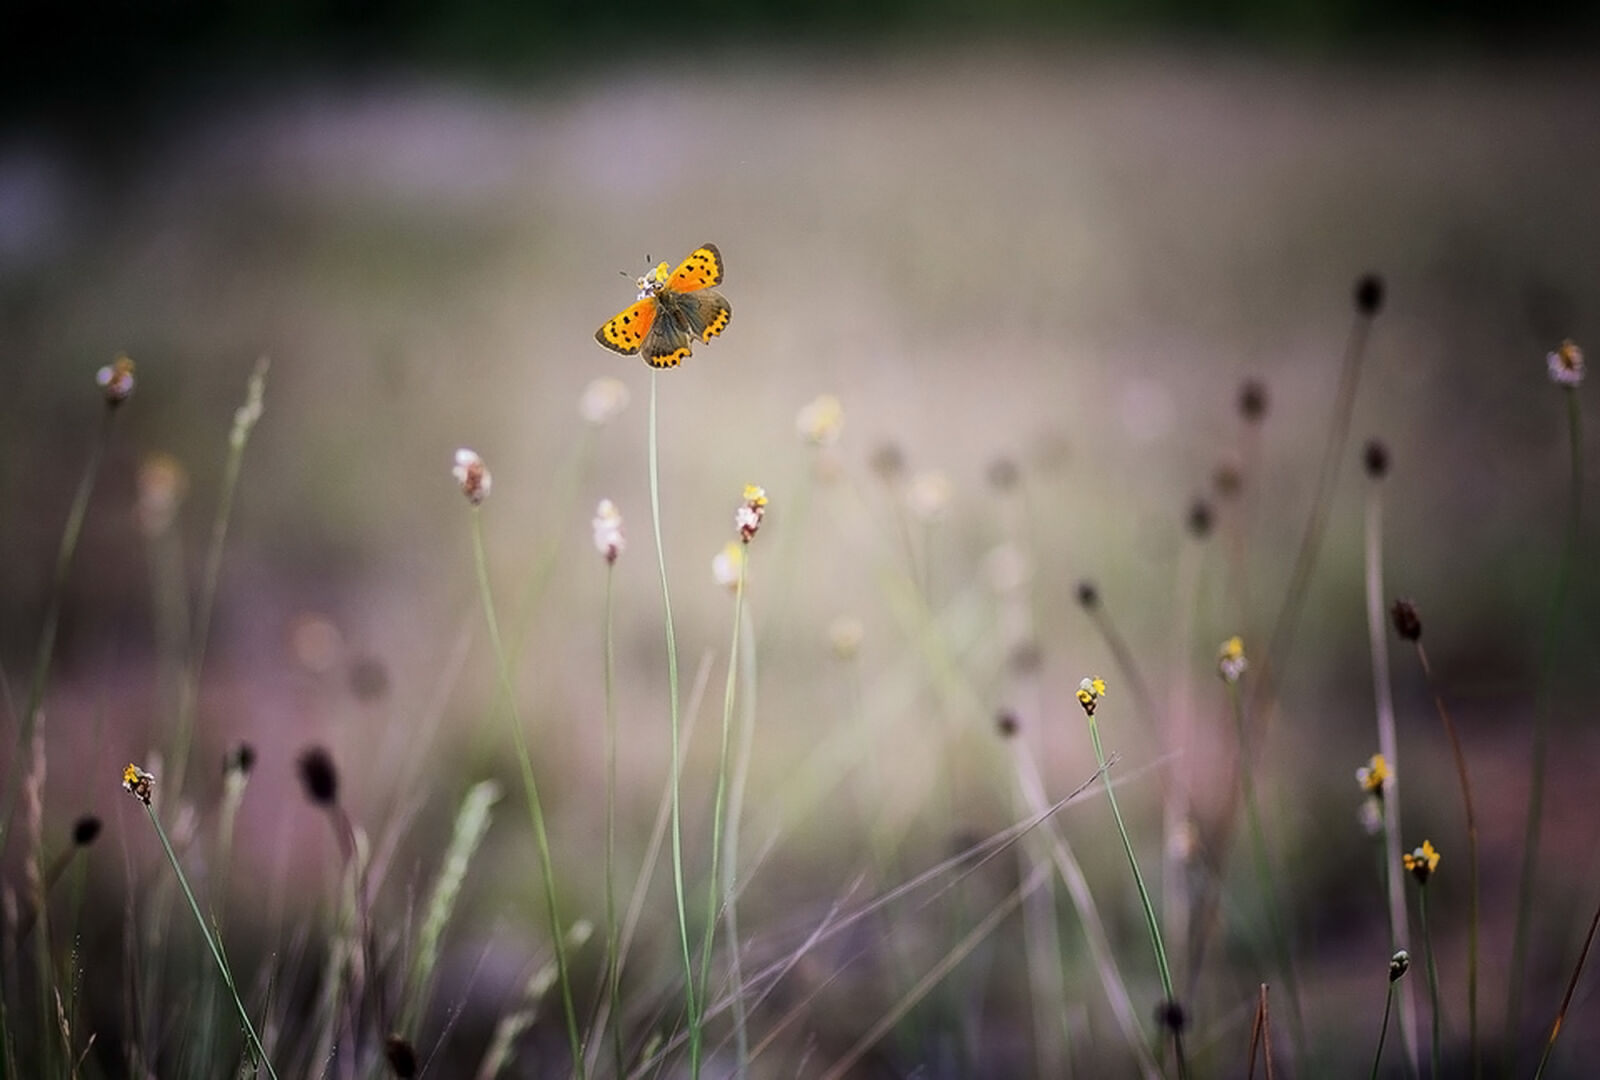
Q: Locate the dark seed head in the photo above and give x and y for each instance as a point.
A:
(241, 759)
(402, 1057)
(1088, 595)
(85, 830)
(1200, 519)
(1004, 474)
(1407, 623)
(1253, 400)
(1170, 1016)
(1228, 478)
(1376, 459)
(319, 776)
(1369, 294)
(1007, 724)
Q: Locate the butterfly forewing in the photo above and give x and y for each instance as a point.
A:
(701, 270)
(627, 331)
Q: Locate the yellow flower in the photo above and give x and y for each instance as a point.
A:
(1231, 662)
(1090, 691)
(727, 564)
(1374, 776)
(1422, 862)
(751, 511)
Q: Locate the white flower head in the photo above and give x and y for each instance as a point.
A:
(473, 476)
(602, 400)
(728, 565)
(750, 513)
(928, 496)
(116, 380)
(820, 421)
(608, 538)
(1566, 364)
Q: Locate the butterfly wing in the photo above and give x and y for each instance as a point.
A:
(706, 314)
(630, 328)
(667, 343)
(701, 270)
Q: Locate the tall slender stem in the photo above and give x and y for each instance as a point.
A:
(1383, 1031)
(530, 788)
(1433, 977)
(1566, 999)
(690, 1001)
(1541, 725)
(613, 957)
(730, 862)
(211, 943)
(1472, 857)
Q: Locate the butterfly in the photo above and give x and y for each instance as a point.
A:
(672, 310)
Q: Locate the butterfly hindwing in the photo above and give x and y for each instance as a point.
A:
(701, 270)
(706, 314)
(628, 330)
(667, 343)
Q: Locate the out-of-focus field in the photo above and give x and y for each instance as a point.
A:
(1067, 261)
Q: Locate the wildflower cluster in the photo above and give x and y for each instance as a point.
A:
(1090, 691)
(473, 476)
(1566, 364)
(1374, 776)
(608, 538)
(748, 516)
(116, 380)
(1231, 662)
(1422, 862)
(140, 784)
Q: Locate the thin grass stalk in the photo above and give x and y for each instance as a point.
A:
(1566, 999)
(613, 953)
(71, 534)
(658, 834)
(1433, 980)
(244, 421)
(1532, 833)
(730, 862)
(690, 1003)
(1389, 747)
(730, 689)
(936, 975)
(1383, 1029)
(257, 1050)
(1152, 924)
(1261, 1035)
(1472, 856)
(531, 789)
(1264, 875)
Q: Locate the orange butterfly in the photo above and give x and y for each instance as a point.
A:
(671, 310)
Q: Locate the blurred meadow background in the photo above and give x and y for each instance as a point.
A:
(1082, 284)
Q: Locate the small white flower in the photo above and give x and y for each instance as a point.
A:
(472, 475)
(608, 539)
(1371, 815)
(820, 421)
(727, 565)
(116, 380)
(1566, 364)
(928, 496)
(602, 400)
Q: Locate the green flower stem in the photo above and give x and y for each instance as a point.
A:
(1152, 924)
(1433, 976)
(531, 789)
(730, 863)
(1566, 999)
(691, 1004)
(613, 957)
(244, 422)
(1383, 1031)
(1258, 844)
(256, 1048)
(1541, 726)
(70, 535)
(1472, 858)
(714, 877)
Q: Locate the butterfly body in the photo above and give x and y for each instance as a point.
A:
(673, 310)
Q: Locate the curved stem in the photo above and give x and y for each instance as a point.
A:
(613, 959)
(530, 788)
(690, 1001)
